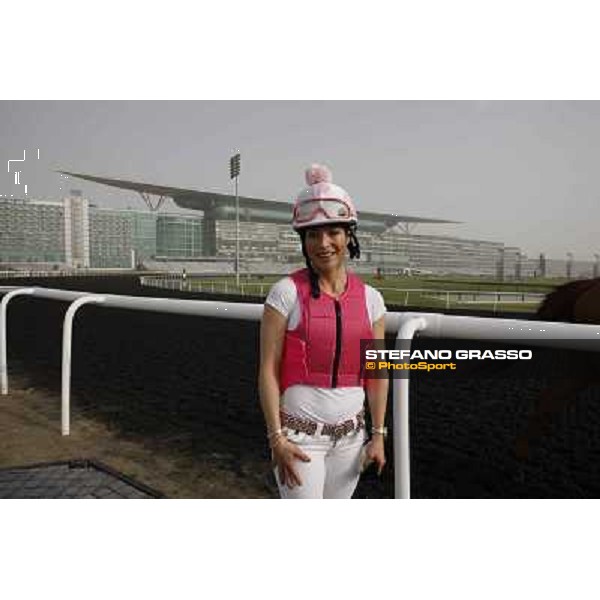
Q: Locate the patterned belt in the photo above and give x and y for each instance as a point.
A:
(335, 432)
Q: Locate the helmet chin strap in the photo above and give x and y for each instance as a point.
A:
(353, 245)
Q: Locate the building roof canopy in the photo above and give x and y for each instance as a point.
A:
(223, 205)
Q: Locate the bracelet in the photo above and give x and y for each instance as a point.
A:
(277, 441)
(380, 430)
(274, 433)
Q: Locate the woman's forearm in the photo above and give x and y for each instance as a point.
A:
(377, 389)
(377, 393)
(268, 390)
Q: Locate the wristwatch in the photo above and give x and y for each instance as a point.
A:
(380, 430)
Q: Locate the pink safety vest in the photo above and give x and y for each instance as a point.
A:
(324, 349)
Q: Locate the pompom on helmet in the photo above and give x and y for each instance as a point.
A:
(323, 202)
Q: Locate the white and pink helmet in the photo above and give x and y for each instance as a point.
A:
(323, 202)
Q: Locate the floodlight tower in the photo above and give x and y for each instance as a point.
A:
(234, 173)
(542, 265)
(569, 264)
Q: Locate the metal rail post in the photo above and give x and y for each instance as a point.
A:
(401, 430)
(66, 359)
(3, 353)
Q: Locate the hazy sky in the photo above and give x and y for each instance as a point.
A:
(522, 173)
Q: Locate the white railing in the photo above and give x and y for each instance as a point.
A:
(228, 310)
(531, 333)
(404, 325)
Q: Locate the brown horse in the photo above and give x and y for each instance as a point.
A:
(573, 302)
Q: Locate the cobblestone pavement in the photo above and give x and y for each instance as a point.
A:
(72, 479)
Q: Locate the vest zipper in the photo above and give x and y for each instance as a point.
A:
(338, 344)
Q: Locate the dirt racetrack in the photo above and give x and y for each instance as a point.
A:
(171, 401)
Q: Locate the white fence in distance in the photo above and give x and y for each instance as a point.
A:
(441, 297)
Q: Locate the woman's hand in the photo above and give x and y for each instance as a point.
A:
(285, 454)
(376, 452)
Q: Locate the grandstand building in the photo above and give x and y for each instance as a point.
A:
(75, 234)
(31, 232)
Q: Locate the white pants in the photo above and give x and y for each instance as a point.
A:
(333, 470)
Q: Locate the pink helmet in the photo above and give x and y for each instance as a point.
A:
(322, 202)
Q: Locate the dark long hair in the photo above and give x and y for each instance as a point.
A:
(353, 249)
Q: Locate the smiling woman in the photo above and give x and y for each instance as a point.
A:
(311, 383)
(326, 246)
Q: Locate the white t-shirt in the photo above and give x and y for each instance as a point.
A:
(327, 405)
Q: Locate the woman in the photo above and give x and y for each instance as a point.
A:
(310, 382)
